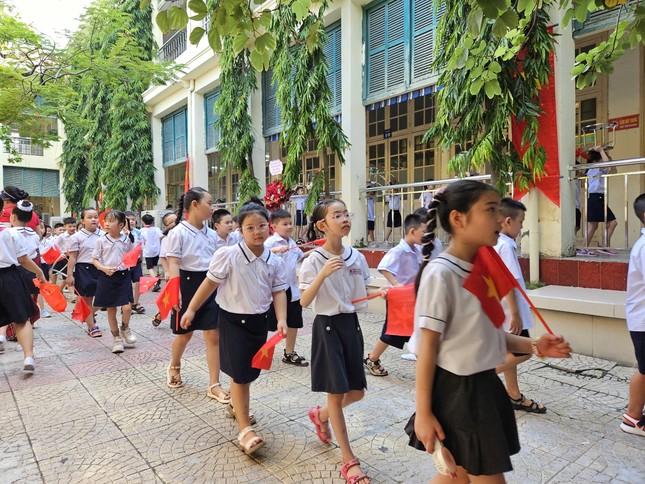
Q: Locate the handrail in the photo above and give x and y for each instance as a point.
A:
(423, 184)
(607, 164)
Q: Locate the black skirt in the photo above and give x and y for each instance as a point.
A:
(388, 339)
(477, 418)
(240, 337)
(16, 304)
(294, 314)
(207, 316)
(393, 218)
(337, 354)
(86, 277)
(113, 291)
(596, 209)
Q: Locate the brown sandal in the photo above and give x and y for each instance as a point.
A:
(174, 381)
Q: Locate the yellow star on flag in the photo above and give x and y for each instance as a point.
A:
(166, 300)
(265, 352)
(492, 290)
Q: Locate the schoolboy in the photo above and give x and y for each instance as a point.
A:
(518, 313)
(137, 271)
(281, 244)
(633, 421)
(150, 237)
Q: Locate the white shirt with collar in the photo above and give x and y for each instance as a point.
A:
(425, 199)
(403, 262)
(246, 282)
(507, 250)
(62, 241)
(299, 201)
(595, 182)
(84, 243)
(110, 251)
(635, 306)
(12, 246)
(342, 287)
(163, 247)
(150, 237)
(290, 258)
(31, 240)
(370, 208)
(470, 342)
(227, 242)
(194, 247)
(393, 201)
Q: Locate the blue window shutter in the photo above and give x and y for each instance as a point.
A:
(174, 137)
(167, 140)
(212, 135)
(376, 49)
(51, 183)
(181, 140)
(332, 50)
(426, 15)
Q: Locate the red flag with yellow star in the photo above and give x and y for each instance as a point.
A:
(489, 283)
(263, 358)
(168, 298)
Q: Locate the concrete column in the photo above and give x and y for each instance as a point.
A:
(354, 169)
(197, 140)
(157, 150)
(259, 147)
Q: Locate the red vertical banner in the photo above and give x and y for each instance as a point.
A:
(187, 175)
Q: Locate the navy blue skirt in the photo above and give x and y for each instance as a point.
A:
(86, 277)
(240, 337)
(208, 315)
(16, 304)
(337, 354)
(113, 291)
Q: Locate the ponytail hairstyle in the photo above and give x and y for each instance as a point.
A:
(13, 194)
(23, 211)
(460, 196)
(120, 217)
(195, 194)
(318, 213)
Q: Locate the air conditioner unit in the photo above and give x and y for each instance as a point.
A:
(55, 220)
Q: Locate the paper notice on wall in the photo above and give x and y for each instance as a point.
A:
(275, 167)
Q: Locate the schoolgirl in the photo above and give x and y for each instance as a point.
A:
(191, 244)
(114, 284)
(16, 305)
(168, 222)
(331, 278)
(247, 277)
(44, 245)
(459, 398)
(136, 272)
(83, 275)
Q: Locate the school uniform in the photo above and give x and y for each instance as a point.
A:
(31, 243)
(596, 197)
(635, 306)
(245, 293)
(43, 246)
(394, 215)
(151, 237)
(136, 272)
(16, 305)
(370, 213)
(337, 340)
(301, 217)
(290, 259)
(115, 290)
(468, 398)
(194, 248)
(403, 262)
(225, 242)
(425, 199)
(62, 242)
(86, 275)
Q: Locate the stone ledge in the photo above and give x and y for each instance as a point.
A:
(594, 302)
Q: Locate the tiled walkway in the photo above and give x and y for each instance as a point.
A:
(90, 416)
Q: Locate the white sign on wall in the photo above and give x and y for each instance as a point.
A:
(275, 167)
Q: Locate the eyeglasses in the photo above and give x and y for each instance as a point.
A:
(337, 217)
(255, 228)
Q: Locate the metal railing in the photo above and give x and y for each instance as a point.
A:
(173, 47)
(25, 146)
(577, 173)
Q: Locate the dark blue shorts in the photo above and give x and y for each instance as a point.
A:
(136, 272)
(638, 338)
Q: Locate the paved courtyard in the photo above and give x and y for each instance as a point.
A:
(87, 415)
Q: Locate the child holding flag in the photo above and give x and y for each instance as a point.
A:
(459, 398)
(114, 284)
(247, 277)
(518, 313)
(82, 273)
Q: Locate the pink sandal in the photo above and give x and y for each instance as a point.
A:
(322, 428)
(352, 479)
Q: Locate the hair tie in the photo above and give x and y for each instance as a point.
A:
(25, 205)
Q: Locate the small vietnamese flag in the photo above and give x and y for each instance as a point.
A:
(52, 295)
(81, 310)
(51, 255)
(400, 310)
(145, 283)
(168, 298)
(317, 242)
(187, 175)
(488, 283)
(102, 217)
(131, 258)
(263, 358)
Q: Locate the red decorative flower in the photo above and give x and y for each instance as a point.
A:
(276, 194)
(582, 153)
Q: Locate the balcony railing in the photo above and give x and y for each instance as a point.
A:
(25, 146)
(173, 47)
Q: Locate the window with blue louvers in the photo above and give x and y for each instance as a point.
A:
(36, 182)
(174, 138)
(212, 134)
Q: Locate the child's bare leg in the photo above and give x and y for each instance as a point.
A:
(388, 233)
(90, 319)
(114, 325)
(290, 342)
(152, 272)
(135, 291)
(25, 337)
(509, 368)
(211, 338)
(636, 396)
(379, 349)
(177, 349)
(127, 314)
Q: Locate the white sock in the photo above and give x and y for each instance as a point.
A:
(3, 338)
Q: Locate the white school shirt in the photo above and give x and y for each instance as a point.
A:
(45, 244)
(110, 251)
(300, 201)
(470, 342)
(62, 241)
(635, 306)
(227, 242)
(151, 238)
(426, 199)
(84, 243)
(595, 184)
(163, 247)
(507, 250)
(31, 240)
(577, 185)
(12, 246)
(342, 287)
(247, 282)
(370, 208)
(394, 202)
(403, 262)
(194, 247)
(290, 259)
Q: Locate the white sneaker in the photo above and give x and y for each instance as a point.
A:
(18, 347)
(29, 365)
(44, 313)
(118, 345)
(127, 335)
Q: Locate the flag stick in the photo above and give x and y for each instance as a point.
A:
(316, 243)
(366, 298)
(537, 313)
